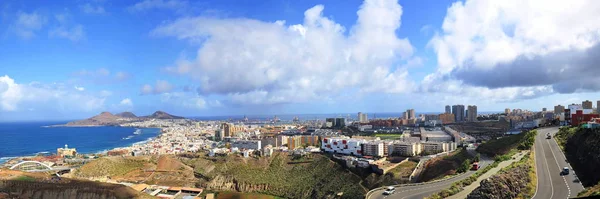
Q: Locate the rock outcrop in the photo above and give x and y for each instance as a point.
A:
(583, 151)
(229, 184)
(508, 184)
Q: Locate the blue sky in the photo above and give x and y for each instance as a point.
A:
(74, 59)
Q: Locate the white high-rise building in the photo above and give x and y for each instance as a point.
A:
(362, 117)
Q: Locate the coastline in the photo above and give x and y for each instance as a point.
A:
(4, 160)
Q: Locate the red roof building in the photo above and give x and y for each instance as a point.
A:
(579, 118)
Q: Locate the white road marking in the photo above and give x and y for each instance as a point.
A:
(564, 179)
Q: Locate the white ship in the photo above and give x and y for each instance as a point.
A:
(137, 132)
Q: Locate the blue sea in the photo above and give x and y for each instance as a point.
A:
(31, 138)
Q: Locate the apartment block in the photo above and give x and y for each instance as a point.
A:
(407, 149)
(373, 149)
(343, 145)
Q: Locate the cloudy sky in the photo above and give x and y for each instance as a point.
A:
(74, 59)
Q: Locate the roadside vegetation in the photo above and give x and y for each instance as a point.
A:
(523, 141)
(515, 181)
(506, 146)
(25, 178)
(238, 195)
(564, 134)
(439, 167)
(590, 191)
(457, 186)
(398, 175)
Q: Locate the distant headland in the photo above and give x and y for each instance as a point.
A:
(108, 119)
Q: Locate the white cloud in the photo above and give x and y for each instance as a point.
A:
(101, 75)
(161, 86)
(28, 23)
(518, 46)
(90, 9)
(67, 29)
(265, 62)
(146, 5)
(122, 75)
(490, 32)
(105, 93)
(74, 33)
(79, 88)
(51, 97)
(185, 100)
(126, 102)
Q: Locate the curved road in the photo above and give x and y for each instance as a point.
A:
(550, 160)
(423, 190)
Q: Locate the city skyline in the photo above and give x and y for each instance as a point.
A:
(73, 60)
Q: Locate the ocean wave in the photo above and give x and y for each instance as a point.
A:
(142, 142)
(7, 158)
(105, 151)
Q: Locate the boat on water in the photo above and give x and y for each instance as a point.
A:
(128, 137)
(137, 132)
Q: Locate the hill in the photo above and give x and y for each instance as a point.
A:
(162, 170)
(108, 119)
(162, 115)
(127, 115)
(315, 177)
(16, 184)
(445, 165)
(103, 119)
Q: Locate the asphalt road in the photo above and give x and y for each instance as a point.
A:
(549, 163)
(421, 191)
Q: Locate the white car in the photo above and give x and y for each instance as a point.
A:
(389, 190)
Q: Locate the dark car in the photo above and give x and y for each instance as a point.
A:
(565, 171)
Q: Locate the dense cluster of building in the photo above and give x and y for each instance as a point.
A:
(576, 114)
(383, 148)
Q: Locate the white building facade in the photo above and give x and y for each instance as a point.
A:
(343, 145)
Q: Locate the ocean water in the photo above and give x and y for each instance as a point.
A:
(30, 138)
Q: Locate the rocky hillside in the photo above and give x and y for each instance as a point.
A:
(445, 165)
(127, 115)
(583, 151)
(69, 190)
(162, 115)
(515, 181)
(163, 170)
(314, 177)
(103, 119)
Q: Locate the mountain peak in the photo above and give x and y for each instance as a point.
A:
(106, 113)
(163, 115)
(127, 114)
